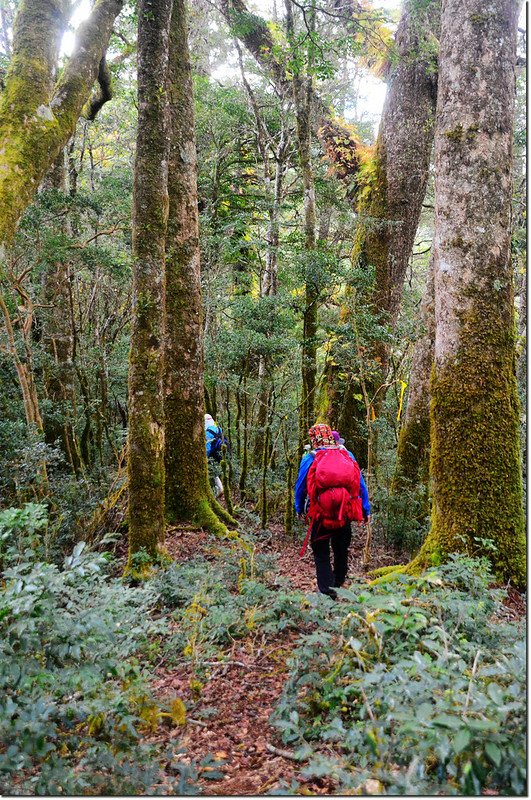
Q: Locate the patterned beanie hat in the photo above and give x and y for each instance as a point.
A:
(321, 436)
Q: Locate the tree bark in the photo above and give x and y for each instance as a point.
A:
(188, 496)
(475, 459)
(35, 123)
(150, 216)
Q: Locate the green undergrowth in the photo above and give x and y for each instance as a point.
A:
(75, 697)
(79, 645)
(226, 598)
(417, 685)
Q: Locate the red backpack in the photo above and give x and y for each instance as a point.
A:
(333, 484)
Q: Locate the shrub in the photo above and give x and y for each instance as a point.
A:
(74, 701)
(414, 684)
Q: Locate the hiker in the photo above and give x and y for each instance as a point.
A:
(330, 479)
(214, 442)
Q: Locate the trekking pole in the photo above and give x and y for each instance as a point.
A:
(367, 548)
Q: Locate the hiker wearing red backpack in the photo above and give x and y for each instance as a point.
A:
(329, 476)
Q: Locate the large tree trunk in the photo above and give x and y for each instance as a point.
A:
(389, 212)
(35, 123)
(390, 216)
(188, 496)
(150, 214)
(475, 460)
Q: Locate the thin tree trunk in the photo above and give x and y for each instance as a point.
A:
(413, 451)
(58, 337)
(150, 215)
(475, 460)
(269, 287)
(188, 496)
(302, 98)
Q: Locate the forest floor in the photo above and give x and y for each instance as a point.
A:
(247, 685)
(230, 721)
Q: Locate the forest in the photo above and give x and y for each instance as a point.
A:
(262, 397)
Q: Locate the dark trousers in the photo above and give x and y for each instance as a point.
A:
(328, 578)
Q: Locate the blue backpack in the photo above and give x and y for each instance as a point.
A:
(215, 443)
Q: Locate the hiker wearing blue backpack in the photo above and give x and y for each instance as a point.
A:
(214, 442)
(331, 485)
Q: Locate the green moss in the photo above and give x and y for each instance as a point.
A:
(221, 512)
(475, 455)
(455, 135)
(33, 129)
(391, 575)
(204, 517)
(380, 571)
(458, 242)
(458, 134)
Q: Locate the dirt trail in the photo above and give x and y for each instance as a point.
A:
(246, 689)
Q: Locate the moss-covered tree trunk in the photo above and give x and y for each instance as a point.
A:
(475, 454)
(188, 496)
(413, 451)
(389, 210)
(36, 121)
(145, 462)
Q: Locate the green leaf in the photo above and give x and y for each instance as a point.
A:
(461, 740)
(494, 753)
(446, 721)
(495, 693)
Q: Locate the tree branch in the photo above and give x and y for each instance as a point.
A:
(102, 95)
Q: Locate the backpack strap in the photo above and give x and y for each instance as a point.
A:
(326, 535)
